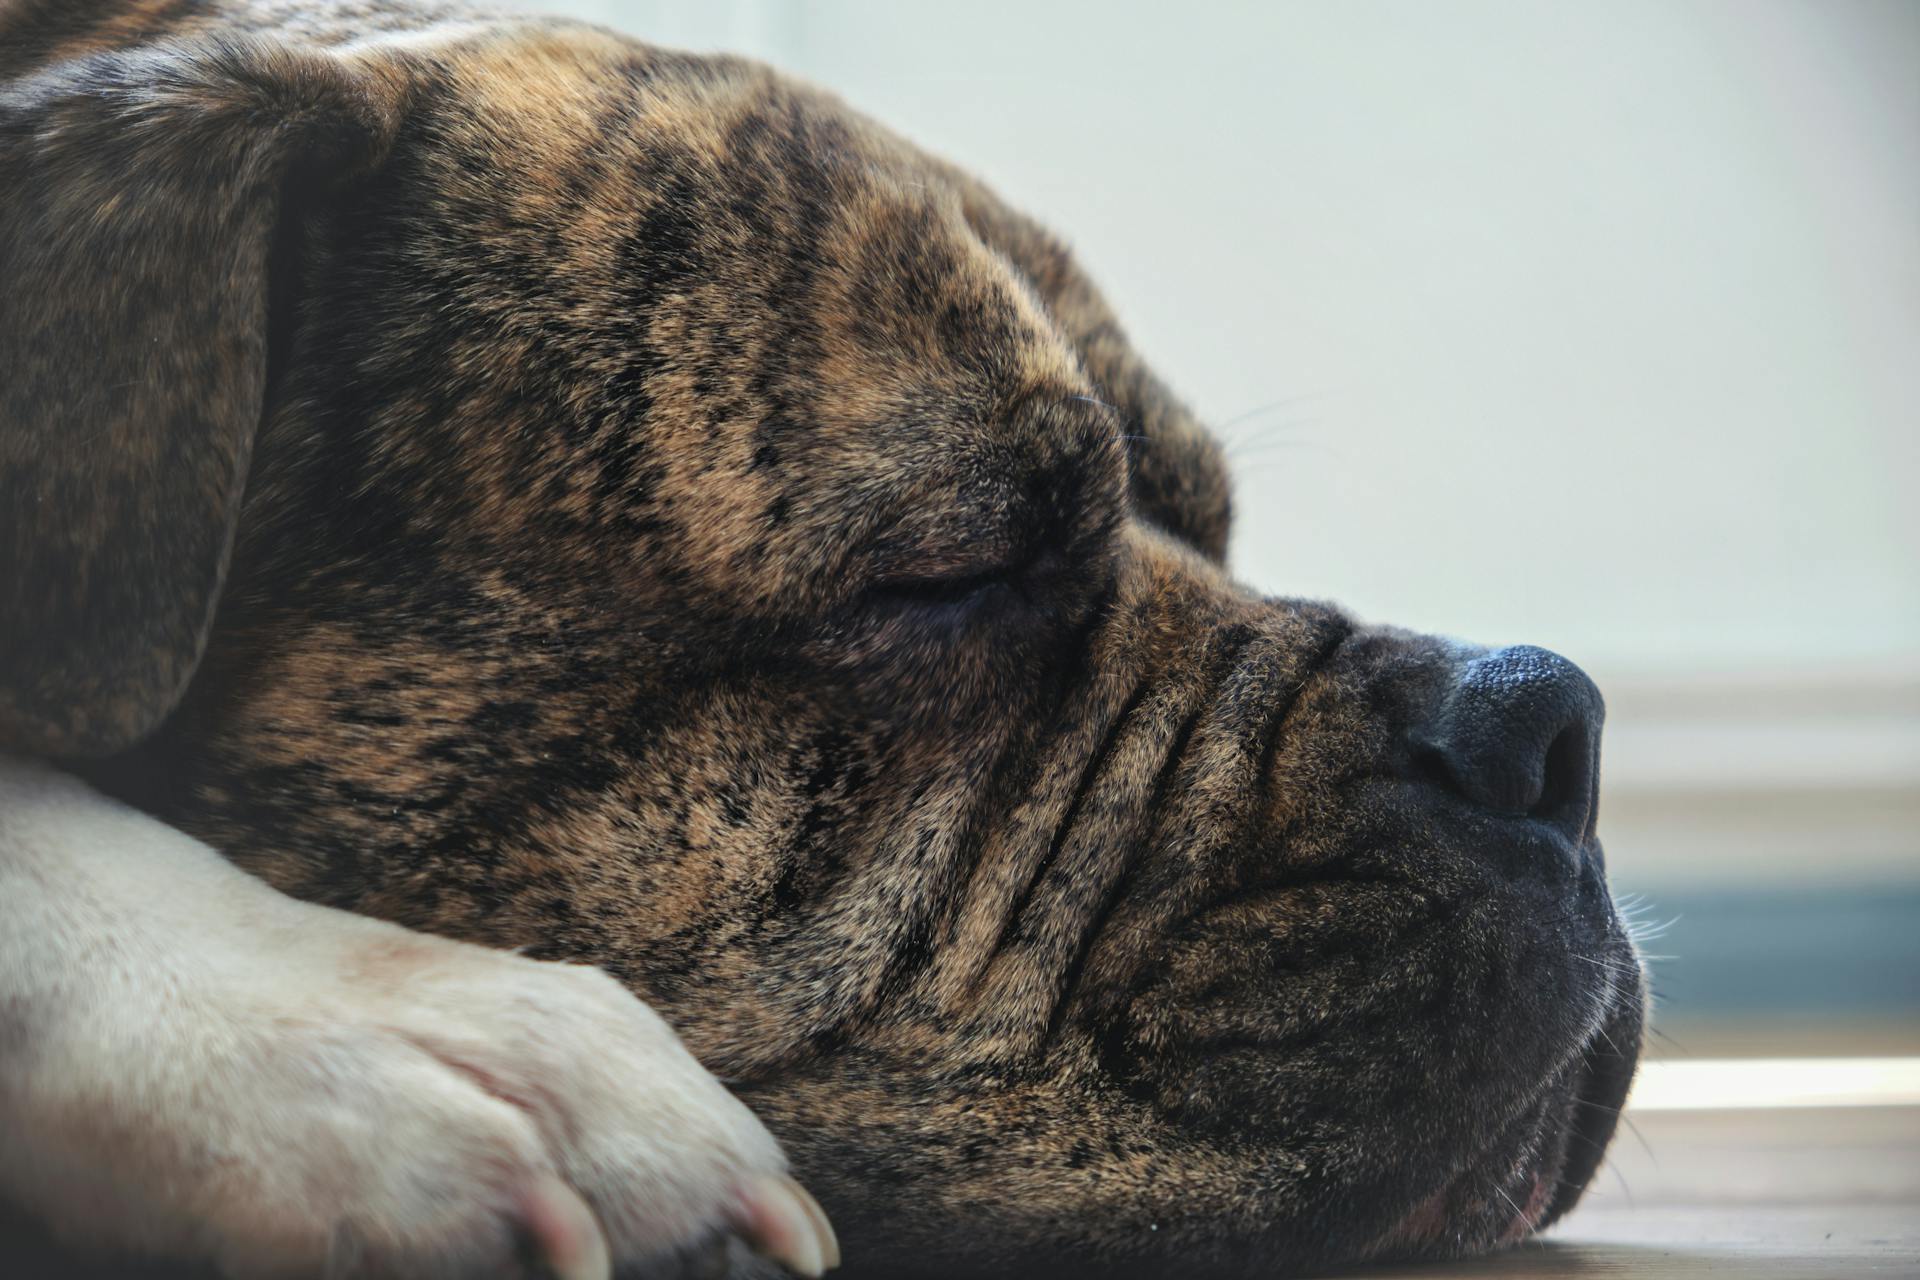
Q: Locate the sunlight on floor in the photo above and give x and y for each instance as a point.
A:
(1728, 1084)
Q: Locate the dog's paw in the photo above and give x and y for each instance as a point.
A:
(202, 1069)
(390, 1104)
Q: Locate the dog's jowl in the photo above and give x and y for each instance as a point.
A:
(626, 509)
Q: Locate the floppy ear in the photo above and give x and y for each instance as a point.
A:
(141, 194)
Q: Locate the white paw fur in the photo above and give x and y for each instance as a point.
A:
(196, 1066)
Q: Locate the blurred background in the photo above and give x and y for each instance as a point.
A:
(1612, 309)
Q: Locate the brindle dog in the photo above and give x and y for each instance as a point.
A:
(626, 507)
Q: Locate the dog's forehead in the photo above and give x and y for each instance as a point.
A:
(711, 165)
(785, 300)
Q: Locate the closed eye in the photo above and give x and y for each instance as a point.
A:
(946, 589)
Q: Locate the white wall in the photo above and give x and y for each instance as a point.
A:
(1593, 325)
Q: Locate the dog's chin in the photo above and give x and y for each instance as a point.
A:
(1535, 1171)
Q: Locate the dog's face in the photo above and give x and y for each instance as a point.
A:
(695, 533)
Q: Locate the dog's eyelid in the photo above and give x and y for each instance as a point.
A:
(972, 559)
(951, 589)
(949, 536)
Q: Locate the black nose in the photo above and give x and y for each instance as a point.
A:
(1519, 734)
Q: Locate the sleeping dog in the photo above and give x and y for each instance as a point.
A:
(587, 637)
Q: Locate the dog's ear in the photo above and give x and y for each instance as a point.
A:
(143, 191)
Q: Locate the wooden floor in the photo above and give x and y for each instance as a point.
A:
(1815, 1194)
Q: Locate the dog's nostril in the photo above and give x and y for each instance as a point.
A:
(1519, 733)
(1564, 778)
(1430, 765)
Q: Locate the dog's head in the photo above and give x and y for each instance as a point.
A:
(682, 527)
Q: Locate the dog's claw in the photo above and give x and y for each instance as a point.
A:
(829, 1242)
(563, 1232)
(779, 1219)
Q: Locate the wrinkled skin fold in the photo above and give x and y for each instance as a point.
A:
(690, 530)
